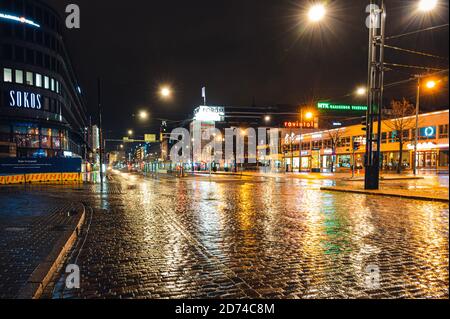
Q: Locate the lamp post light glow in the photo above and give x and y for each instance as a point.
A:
(427, 5)
(166, 92)
(431, 84)
(130, 132)
(316, 13)
(309, 115)
(361, 91)
(267, 118)
(143, 115)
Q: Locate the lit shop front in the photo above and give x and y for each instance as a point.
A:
(42, 110)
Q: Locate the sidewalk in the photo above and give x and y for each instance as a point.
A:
(433, 194)
(33, 235)
(315, 176)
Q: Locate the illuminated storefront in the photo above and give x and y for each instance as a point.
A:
(42, 110)
(432, 147)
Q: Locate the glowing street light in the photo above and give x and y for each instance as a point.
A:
(431, 84)
(427, 5)
(309, 115)
(130, 132)
(267, 118)
(361, 91)
(316, 13)
(166, 92)
(143, 115)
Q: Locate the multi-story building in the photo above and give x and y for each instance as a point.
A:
(42, 110)
(315, 151)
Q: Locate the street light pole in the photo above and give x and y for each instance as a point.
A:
(416, 136)
(375, 92)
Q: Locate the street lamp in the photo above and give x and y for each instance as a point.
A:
(361, 91)
(430, 85)
(267, 118)
(130, 132)
(143, 115)
(165, 92)
(316, 13)
(427, 5)
(309, 115)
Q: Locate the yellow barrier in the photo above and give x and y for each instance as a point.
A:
(41, 178)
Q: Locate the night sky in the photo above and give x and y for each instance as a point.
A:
(243, 51)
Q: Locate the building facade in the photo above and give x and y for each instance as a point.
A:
(315, 151)
(42, 110)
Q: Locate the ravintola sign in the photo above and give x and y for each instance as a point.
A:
(25, 100)
(299, 124)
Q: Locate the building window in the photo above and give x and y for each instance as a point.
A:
(52, 84)
(29, 78)
(38, 80)
(384, 137)
(7, 75)
(57, 87)
(19, 76)
(443, 131)
(46, 82)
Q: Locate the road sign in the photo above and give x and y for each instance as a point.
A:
(341, 107)
(150, 138)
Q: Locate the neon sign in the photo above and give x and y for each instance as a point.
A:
(341, 107)
(18, 19)
(298, 124)
(25, 100)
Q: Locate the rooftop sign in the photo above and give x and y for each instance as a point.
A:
(209, 114)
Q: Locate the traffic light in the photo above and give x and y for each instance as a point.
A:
(364, 124)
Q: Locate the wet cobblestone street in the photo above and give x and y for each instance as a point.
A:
(250, 237)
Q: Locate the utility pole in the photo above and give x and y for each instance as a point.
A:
(100, 128)
(375, 93)
(416, 136)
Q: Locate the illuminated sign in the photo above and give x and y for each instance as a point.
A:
(429, 132)
(25, 100)
(422, 146)
(18, 19)
(298, 124)
(341, 107)
(150, 138)
(209, 114)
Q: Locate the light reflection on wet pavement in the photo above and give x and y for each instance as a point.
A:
(231, 237)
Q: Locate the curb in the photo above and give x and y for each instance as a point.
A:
(378, 193)
(44, 272)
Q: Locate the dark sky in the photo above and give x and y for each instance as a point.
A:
(241, 50)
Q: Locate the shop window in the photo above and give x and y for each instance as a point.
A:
(19, 77)
(443, 131)
(29, 78)
(406, 135)
(7, 75)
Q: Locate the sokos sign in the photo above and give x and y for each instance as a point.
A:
(25, 100)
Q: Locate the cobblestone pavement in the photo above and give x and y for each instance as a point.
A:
(29, 228)
(233, 237)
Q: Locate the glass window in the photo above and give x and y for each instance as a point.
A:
(46, 82)
(29, 78)
(38, 80)
(57, 86)
(7, 75)
(52, 84)
(19, 76)
(443, 131)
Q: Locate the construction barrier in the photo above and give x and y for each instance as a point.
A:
(12, 179)
(41, 178)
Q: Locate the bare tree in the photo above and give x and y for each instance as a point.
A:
(335, 137)
(399, 119)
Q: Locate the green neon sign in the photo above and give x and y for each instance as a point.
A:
(341, 107)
